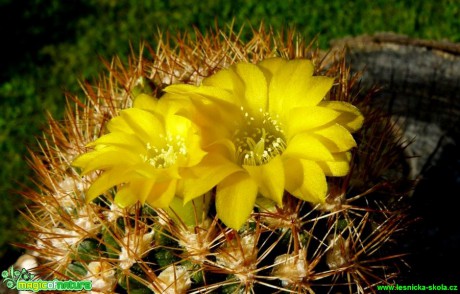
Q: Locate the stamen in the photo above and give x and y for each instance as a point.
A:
(173, 148)
(258, 139)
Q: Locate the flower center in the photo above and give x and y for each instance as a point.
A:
(258, 139)
(173, 148)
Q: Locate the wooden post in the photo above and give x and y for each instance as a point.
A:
(421, 86)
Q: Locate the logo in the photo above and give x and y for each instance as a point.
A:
(12, 276)
(22, 280)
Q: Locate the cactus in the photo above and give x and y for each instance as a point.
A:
(345, 244)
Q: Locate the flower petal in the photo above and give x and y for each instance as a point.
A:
(142, 188)
(202, 178)
(215, 119)
(307, 146)
(177, 126)
(144, 101)
(270, 178)
(302, 119)
(104, 158)
(350, 117)
(226, 79)
(195, 153)
(338, 167)
(125, 197)
(224, 147)
(255, 87)
(144, 124)
(136, 190)
(270, 66)
(119, 124)
(336, 138)
(162, 194)
(288, 85)
(121, 139)
(314, 91)
(148, 172)
(308, 180)
(104, 182)
(209, 92)
(293, 173)
(83, 160)
(235, 198)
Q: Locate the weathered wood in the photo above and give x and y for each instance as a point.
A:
(421, 85)
(420, 82)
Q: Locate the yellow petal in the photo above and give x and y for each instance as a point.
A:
(235, 198)
(225, 79)
(83, 160)
(288, 85)
(254, 85)
(119, 125)
(136, 190)
(203, 177)
(314, 91)
(175, 103)
(195, 153)
(104, 182)
(308, 180)
(146, 102)
(176, 125)
(307, 146)
(302, 119)
(336, 138)
(338, 167)
(125, 197)
(174, 107)
(215, 119)
(203, 91)
(120, 139)
(350, 117)
(106, 158)
(293, 173)
(162, 194)
(270, 66)
(147, 171)
(270, 178)
(142, 188)
(224, 147)
(144, 124)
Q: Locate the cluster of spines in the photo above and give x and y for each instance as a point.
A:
(344, 245)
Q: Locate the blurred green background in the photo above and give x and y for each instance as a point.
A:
(48, 45)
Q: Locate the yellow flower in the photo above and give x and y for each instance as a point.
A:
(268, 128)
(147, 149)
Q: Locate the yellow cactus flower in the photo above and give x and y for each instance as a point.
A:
(267, 128)
(147, 149)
